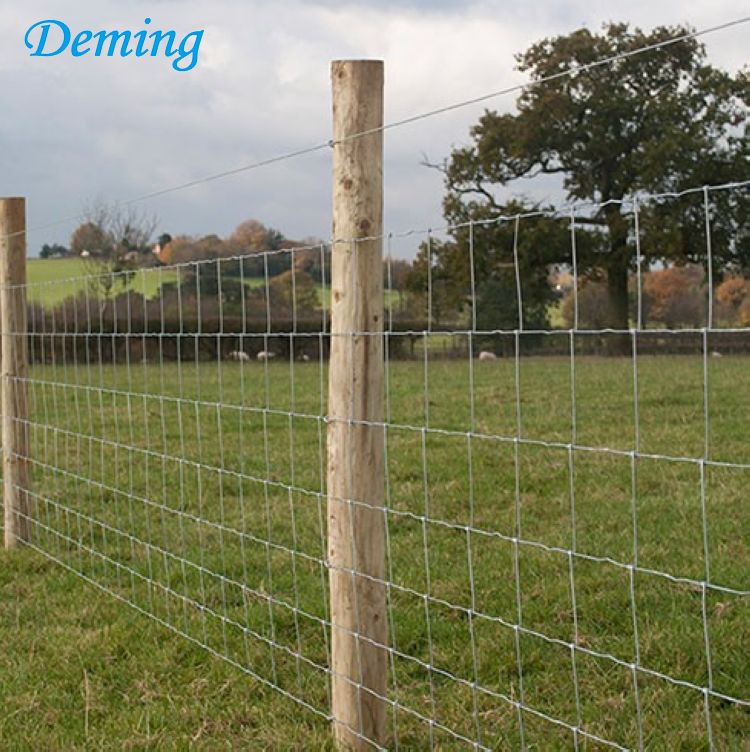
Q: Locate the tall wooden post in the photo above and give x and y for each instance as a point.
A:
(356, 527)
(14, 367)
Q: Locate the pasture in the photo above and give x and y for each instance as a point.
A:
(195, 491)
(53, 280)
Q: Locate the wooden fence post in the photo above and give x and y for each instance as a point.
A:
(14, 367)
(356, 526)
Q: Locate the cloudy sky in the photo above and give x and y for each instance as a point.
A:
(74, 130)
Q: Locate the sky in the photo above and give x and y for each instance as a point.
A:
(78, 130)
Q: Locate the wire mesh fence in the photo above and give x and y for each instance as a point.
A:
(494, 529)
(566, 529)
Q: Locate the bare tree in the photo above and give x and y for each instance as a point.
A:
(113, 241)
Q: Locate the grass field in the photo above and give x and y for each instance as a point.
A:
(200, 466)
(53, 280)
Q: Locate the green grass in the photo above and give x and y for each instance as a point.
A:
(53, 280)
(82, 671)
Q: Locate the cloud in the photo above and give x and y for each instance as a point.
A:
(72, 129)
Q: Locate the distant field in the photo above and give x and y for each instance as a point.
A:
(60, 271)
(53, 280)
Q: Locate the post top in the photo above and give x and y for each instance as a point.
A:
(372, 66)
(357, 61)
(364, 70)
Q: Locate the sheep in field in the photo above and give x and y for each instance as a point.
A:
(239, 356)
(265, 355)
(487, 355)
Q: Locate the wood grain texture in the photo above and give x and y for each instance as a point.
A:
(356, 524)
(14, 367)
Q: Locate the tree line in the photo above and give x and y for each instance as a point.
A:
(660, 121)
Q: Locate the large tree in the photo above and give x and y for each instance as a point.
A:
(444, 276)
(662, 120)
